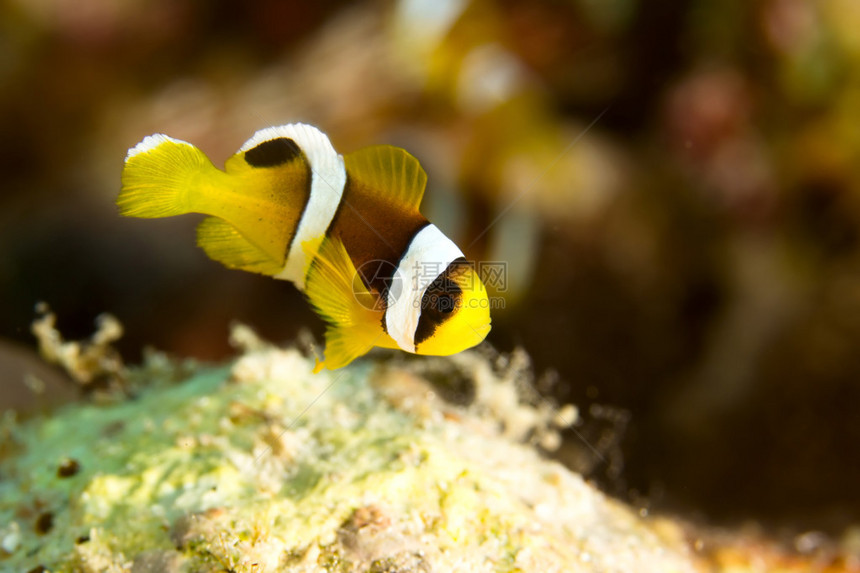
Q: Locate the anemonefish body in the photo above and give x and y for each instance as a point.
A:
(346, 230)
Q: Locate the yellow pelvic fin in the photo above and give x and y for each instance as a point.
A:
(223, 243)
(391, 171)
(338, 294)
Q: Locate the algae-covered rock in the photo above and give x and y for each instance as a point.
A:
(263, 466)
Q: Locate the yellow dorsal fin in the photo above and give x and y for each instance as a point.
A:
(391, 171)
(336, 291)
(223, 243)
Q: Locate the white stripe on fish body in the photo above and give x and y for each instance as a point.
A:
(328, 178)
(429, 249)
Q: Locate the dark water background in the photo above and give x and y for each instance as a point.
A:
(673, 186)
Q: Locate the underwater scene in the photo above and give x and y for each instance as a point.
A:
(430, 285)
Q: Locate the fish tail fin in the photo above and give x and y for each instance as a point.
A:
(160, 177)
(338, 294)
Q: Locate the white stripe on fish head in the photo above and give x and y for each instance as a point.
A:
(428, 255)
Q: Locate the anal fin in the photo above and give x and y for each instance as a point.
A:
(223, 243)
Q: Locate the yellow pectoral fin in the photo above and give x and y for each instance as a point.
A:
(225, 244)
(338, 294)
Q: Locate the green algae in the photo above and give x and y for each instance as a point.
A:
(263, 466)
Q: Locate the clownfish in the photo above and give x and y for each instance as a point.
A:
(344, 229)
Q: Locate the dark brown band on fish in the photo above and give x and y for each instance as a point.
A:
(376, 234)
(273, 152)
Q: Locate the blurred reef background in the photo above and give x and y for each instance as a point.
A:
(674, 188)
